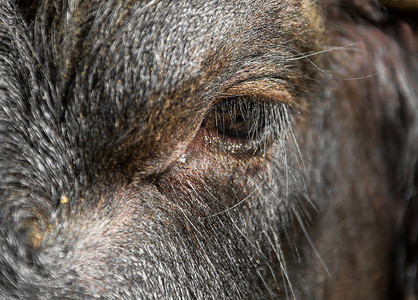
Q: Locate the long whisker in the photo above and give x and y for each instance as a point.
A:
(237, 204)
(308, 238)
(306, 55)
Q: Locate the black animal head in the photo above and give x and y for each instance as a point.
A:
(201, 149)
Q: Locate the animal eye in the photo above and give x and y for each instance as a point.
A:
(241, 124)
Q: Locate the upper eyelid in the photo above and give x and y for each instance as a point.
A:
(263, 90)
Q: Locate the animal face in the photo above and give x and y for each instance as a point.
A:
(203, 149)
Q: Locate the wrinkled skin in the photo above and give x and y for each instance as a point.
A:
(207, 150)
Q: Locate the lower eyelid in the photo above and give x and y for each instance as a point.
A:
(222, 143)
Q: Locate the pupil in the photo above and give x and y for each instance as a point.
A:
(235, 128)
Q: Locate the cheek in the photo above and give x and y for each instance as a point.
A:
(206, 181)
(209, 176)
(203, 179)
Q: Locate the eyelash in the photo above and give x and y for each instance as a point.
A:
(239, 125)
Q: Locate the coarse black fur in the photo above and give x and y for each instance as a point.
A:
(207, 150)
